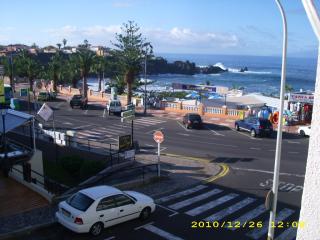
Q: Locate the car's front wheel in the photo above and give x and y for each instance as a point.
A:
(253, 133)
(145, 213)
(96, 229)
(302, 133)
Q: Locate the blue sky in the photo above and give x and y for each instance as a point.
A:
(246, 27)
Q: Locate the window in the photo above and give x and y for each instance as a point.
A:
(80, 201)
(122, 200)
(106, 203)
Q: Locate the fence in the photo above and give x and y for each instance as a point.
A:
(222, 112)
(40, 180)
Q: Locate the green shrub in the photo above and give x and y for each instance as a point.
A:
(72, 164)
(90, 168)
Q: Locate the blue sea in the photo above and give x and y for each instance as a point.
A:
(263, 75)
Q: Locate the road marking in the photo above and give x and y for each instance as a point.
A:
(253, 148)
(161, 233)
(149, 145)
(227, 211)
(293, 142)
(180, 124)
(268, 172)
(198, 210)
(283, 186)
(195, 199)
(173, 214)
(213, 131)
(109, 238)
(83, 126)
(86, 111)
(168, 209)
(104, 113)
(152, 131)
(259, 232)
(67, 123)
(288, 234)
(137, 228)
(181, 194)
(250, 215)
(293, 152)
(183, 134)
(224, 171)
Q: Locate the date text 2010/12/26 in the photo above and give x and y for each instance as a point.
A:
(249, 224)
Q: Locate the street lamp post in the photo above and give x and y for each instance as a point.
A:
(275, 186)
(145, 83)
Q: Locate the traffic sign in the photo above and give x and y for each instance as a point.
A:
(130, 118)
(158, 136)
(128, 113)
(130, 107)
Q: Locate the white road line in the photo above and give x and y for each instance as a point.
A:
(268, 172)
(67, 123)
(149, 145)
(253, 148)
(168, 209)
(205, 207)
(288, 234)
(86, 112)
(150, 120)
(293, 142)
(137, 228)
(259, 232)
(214, 132)
(188, 130)
(181, 194)
(173, 214)
(83, 126)
(161, 233)
(195, 199)
(293, 152)
(110, 238)
(227, 211)
(183, 134)
(143, 124)
(250, 215)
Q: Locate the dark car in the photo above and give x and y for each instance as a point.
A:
(79, 101)
(256, 126)
(192, 120)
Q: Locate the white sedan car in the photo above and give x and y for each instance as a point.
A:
(92, 209)
(304, 130)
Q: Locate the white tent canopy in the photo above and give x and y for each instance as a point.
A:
(13, 119)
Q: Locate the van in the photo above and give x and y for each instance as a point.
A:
(114, 107)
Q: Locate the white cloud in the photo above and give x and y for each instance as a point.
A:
(176, 38)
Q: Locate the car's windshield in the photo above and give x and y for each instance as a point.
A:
(80, 201)
(194, 117)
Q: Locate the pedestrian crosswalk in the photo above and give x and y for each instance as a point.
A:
(210, 204)
(115, 129)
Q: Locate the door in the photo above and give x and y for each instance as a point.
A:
(127, 208)
(107, 212)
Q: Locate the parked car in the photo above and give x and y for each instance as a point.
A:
(79, 101)
(114, 107)
(43, 96)
(92, 209)
(192, 120)
(304, 131)
(256, 126)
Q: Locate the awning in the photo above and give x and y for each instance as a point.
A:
(13, 119)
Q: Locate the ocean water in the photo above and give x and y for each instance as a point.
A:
(264, 73)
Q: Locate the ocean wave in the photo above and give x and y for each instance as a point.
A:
(237, 70)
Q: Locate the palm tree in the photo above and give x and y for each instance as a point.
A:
(130, 53)
(64, 42)
(55, 69)
(72, 70)
(99, 68)
(28, 67)
(59, 45)
(288, 88)
(85, 60)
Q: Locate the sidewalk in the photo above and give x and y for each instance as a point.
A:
(178, 172)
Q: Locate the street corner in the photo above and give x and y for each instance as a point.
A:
(223, 171)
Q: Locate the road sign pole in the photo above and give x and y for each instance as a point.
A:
(158, 159)
(132, 133)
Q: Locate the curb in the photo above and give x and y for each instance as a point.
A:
(22, 231)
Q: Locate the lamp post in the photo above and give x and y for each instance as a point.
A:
(274, 195)
(145, 83)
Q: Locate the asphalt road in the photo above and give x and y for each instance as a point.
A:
(250, 161)
(207, 211)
